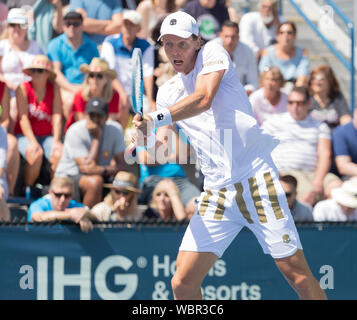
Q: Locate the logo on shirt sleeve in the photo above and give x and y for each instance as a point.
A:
(212, 63)
(160, 116)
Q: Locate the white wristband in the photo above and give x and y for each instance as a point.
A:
(161, 117)
(151, 140)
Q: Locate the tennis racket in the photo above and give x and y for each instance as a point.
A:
(137, 90)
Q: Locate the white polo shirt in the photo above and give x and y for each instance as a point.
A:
(228, 142)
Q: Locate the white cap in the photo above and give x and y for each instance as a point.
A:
(346, 194)
(179, 24)
(133, 16)
(17, 15)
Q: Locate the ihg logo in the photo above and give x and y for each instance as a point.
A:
(81, 279)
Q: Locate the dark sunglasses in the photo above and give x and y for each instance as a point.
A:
(34, 70)
(124, 192)
(288, 194)
(59, 195)
(287, 32)
(96, 75)
(20, 25)
(74, 24)
(299, 103)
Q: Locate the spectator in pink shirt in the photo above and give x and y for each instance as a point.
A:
(269, 99)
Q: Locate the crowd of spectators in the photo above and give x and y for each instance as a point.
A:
(65, 94)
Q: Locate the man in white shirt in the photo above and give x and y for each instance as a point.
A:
(242, 56)
(342, 206)
(258, 29)
(241, 185)
(305, 146)
(118, 49)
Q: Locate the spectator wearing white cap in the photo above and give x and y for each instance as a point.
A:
(118, 49)
(16, 53)
(342, 206)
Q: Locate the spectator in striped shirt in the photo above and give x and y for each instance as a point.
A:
(305, 147)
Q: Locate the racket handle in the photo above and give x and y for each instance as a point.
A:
(132, 149)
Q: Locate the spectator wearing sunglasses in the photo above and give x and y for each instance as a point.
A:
(121, 202)
(305, 147)
(58, 205)
(39, 125)
(300, 211)
(93, 152)
(16, 53)
(98, 83)
(68, 52)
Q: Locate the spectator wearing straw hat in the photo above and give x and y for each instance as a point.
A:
(342, 206)
(16, 53)
(97, 83)
(68, 52)
(39, 126)
(121, 202)
(118, 49)
(90, 145)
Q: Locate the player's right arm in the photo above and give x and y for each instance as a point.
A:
(194, 104)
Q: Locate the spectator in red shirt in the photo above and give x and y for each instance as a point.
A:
(39, 125)
(97, 84)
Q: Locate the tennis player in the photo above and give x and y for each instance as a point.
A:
(241, 186)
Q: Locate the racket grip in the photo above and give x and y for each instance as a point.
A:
(132, 149)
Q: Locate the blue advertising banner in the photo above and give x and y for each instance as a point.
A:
(60, 262)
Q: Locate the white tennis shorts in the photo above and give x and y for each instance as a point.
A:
(259, 203)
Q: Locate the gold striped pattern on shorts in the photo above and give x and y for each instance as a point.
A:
(241, 203)
(254, 191)
(273, 197)
(218, 215)
(204, 203)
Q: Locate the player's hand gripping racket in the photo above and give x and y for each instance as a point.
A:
(137, 90)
